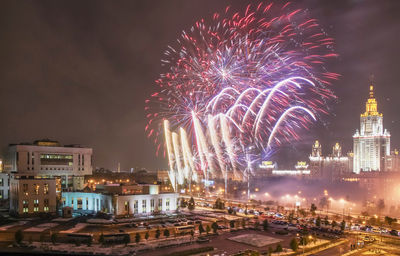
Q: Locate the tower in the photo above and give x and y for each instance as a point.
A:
(371, 143)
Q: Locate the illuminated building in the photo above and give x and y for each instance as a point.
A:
(48, 159)
(331, 167)
(32, 196)
(371, 142)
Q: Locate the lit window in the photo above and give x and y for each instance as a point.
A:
(36, 189)
(25, 189)
(46, 205)
(152, 205)
(144, 206)
(36, 205)
(167, 204)
(46, 189)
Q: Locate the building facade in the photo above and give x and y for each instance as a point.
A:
(145, 204)
(49, 159)
(330, 167)
(87, 202)
(371, 144)
(32, 196)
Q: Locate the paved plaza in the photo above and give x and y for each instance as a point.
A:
(255, 240)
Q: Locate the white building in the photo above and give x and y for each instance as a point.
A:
(145, 204)
(48, 159)
(371, 142)
(87, 201)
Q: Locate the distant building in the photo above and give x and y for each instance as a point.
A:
(371, 142)
(331, 167)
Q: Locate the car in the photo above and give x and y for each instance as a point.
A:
(203, 239)
(394, 232)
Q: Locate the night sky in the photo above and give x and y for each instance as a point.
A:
(80, 71)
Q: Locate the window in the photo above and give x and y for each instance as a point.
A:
(25, 206)
(160, 204)
(126, 206)
(136, 206)
(36, 189)
(1, 194)
(152, 205)
(46, 205)
(167, 204)
(144, 206)
(36, 205)
(25, 189)
(79, 203)
(1, 181)
(33, 159)
(87, 203)
(63, 201)
(98, 204)
(72, 202)
(46, 189)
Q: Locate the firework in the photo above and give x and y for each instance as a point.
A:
(247, 79)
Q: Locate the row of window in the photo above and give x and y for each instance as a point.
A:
(144, 205)
(36, 187)
(25, 205)
(79, 203)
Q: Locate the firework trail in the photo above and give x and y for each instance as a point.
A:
(247, 79)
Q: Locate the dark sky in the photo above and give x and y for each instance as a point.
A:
(79, 71)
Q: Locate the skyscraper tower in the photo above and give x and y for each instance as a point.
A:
(371, 142)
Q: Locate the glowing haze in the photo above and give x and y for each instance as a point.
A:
(238, 86)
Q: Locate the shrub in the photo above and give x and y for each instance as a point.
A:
(53, 238)
(137, 238)
(294, 245)
(19, 236)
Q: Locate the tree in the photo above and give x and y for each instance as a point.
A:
(304, 240)
(214, 227)
(192, 233)
(232, 224)
(127, 239)
(147, 235)
(313, 208)
(201, 228)
(191, 204)
(343, 225)
(324, 202)
(303, 213)
(243, 223)
(270, 251)
(390, 220)
(219, 204)
(380, 205)
(53, 238)
(256, 225)
(290, 217)
(208, 229)
(101, 238)
(265, 225)
(334, 224)
(166, 233)
(158, 233)
(294, 245)
(137, 237)
(278, 248)
(183, 203)
(19, 236)
(326, 220)
(318, 221)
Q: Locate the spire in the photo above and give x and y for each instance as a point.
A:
(371, 106)
(371, 91)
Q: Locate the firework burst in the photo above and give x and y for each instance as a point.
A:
(249, 79)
